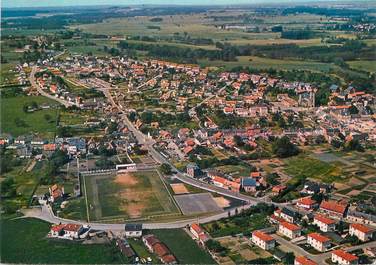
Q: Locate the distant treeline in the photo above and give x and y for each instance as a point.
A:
(330, 12)
(350, 50)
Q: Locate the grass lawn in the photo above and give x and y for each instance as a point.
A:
(236, 225)
(301, 167)
(183, 247)
(35, 122)
(24, 241)
(236, 171)
(128, 196)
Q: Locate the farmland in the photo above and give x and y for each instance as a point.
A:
(183, 247)
(302, 167)
(45, 251)
(15, 121)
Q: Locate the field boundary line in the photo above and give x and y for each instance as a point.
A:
(169, 193)
(86, 201)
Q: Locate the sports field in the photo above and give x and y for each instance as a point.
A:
(125, 196)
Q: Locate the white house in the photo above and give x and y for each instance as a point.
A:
(325, 224)
(344, 258)
(362, 232)
(263, 240)
(133, 230)
(318, 242)
(289, 230)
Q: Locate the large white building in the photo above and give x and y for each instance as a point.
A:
(289, 230)
(325, 224)
(362, 232)
(344, 258)
(263, 240)
(318, 242)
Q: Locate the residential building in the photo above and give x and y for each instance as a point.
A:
(325, 224)
(194, 171)
(263, 240)
(344, 258)
(318, 242)
(289, 230)
(307, 203)
(301, 260)
(333, 208)
(289, 215)
(133, 230)
(249, 184)
(149, 241)
(362, 232)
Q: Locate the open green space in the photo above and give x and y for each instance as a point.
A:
(16, 122)
(369, 66)
(183, 247)
(265, 63)
(128, 196)
(24, 241)
(302, 167)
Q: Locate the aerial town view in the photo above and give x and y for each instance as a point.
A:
(188, 132)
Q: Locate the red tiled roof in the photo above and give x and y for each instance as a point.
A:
(333, 206)
(160, 249)
(324, 219)
(57, 228)
(263, 236)
(361, 228)
(197, 228)
(305, 261)
(344, 255)
(290, 226)
(318, 237)
(307, 201)
(168, 259)
(72, 227)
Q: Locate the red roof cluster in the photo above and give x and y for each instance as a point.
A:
(333, 206)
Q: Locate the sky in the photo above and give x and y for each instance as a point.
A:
(42, 3)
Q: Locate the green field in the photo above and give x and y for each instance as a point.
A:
(128, 196)
(369, 66)
(183, 247)
(265, 63)
(24, 241)
(301, 167)
(35, 122)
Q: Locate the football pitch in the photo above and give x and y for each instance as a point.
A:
(128, 196)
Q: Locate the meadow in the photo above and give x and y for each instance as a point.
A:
(16, 122)
(24, 241)
(183, 247)
(302, 167)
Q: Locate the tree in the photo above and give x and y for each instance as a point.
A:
(165, 169)
(354, 145)
(353, 110)
(289, 258)
(47, 117)
(282, 147)
(214, 245)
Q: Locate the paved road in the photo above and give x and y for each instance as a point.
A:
(43, 93)
(45, 213)
(319, 258)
